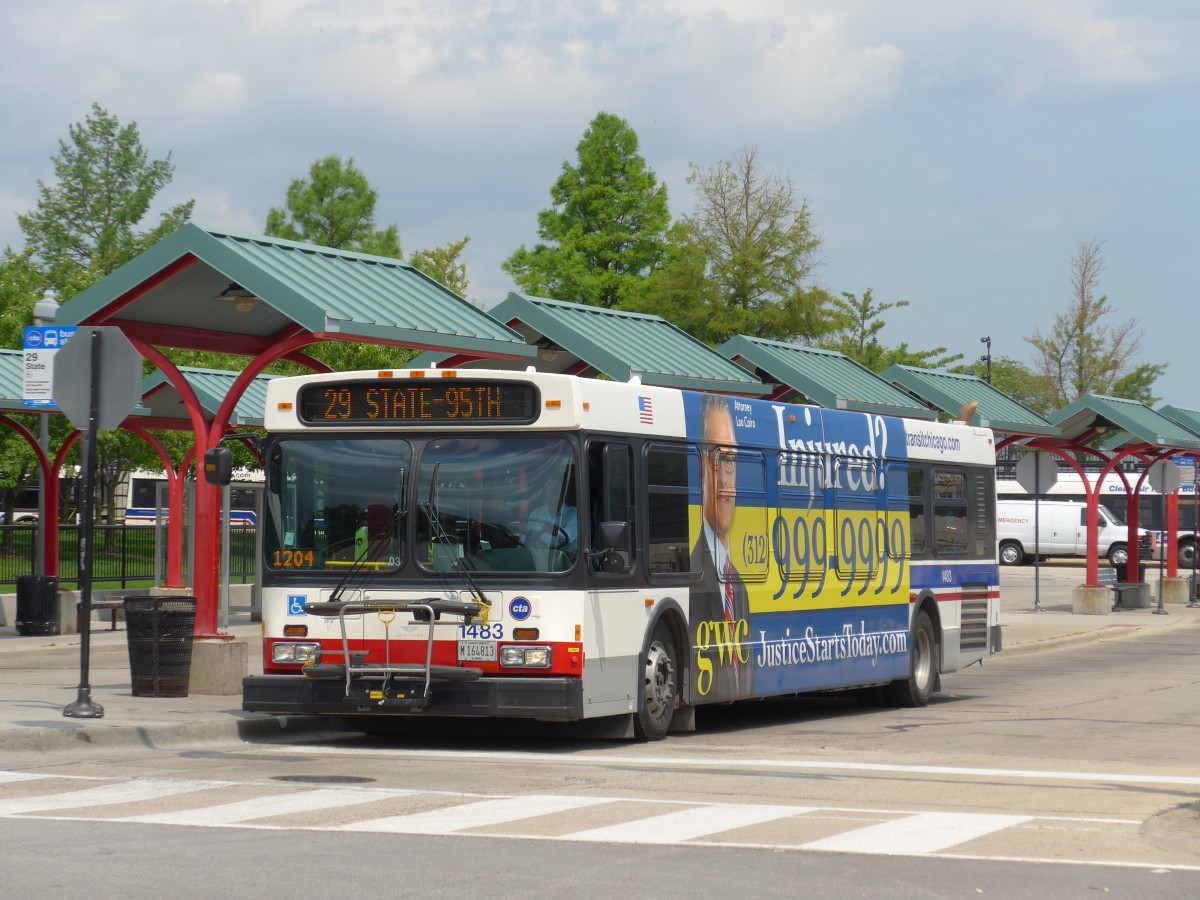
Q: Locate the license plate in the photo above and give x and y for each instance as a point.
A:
(476, 651)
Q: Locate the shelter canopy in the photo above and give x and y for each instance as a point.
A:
(951, 392)
(823, 377)
(170, 296)
(1136, 424)
(590, 340)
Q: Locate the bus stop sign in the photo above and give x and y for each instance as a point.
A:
(117, 372)
(1036, 472)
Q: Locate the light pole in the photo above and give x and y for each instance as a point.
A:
(986, 359)
(45, 311)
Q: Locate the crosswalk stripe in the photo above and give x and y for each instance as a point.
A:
(918, 834)
(687, 824)
(124, 792)
(10, 777)
(476, 815)
(263, 807)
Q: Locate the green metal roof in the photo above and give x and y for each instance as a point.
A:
(950, 392)
(1184, 418)
(829, 379)
(1136, 423)
(211, 387)
(168, 296)
(572, 337)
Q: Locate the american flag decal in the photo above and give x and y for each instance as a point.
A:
(645, 411)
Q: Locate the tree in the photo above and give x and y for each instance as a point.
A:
(1084, 354)
(606, 229)
(857, 323)
(334, 207)
(83, 227)
(445, 265)
(86, 225)
(759, 250)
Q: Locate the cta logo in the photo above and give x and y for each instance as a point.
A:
(519, 608)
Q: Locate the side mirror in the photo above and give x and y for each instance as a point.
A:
(614, 535)
(613, 539)
(218, 466)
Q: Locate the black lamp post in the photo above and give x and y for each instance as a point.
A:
(986, 359)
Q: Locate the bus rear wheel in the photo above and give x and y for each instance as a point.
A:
(918, 687)
(659, 694)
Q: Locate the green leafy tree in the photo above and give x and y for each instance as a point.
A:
(857, 322)
(755, 237)
(605, 231)
(1084, 353)
(334, 207)
(445, 265)
(90, 221)
(86, 224)
(1027, 387)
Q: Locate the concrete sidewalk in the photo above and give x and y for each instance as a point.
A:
(40, 676)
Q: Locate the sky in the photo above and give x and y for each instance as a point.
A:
(954, 154)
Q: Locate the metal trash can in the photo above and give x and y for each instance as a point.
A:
(37, 605)
(160, 631)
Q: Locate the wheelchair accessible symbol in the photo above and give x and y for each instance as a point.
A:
(296, 605)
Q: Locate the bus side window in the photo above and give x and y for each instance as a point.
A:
(916, 511)
(667, 505)
(610, 476)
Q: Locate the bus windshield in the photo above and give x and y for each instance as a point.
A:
(334, 503)
(498, 504)
(503, 504)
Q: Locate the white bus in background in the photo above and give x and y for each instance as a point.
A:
(1152, 507)
(142, 498)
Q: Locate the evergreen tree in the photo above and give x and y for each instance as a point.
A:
(334, 207)
(605, 231)
(86, 224)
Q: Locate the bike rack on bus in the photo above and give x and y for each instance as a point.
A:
(432, 608)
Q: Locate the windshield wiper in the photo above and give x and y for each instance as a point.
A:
(439, 535)
(359, 566)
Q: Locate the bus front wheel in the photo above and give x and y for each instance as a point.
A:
(659, 694)
(917, 688)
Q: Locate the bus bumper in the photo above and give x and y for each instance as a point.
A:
(558, 699)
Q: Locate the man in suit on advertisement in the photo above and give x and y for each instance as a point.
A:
(720, 597)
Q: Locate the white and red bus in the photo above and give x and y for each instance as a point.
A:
(517, 544)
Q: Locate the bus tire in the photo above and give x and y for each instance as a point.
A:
(659, 690)
(1187, 554)
(923, 657)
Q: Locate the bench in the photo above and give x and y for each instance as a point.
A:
(111, 605)
(1107, 577)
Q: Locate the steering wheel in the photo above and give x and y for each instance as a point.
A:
(557, 534)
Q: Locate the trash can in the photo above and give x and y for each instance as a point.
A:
(159, 631)
(37, 604)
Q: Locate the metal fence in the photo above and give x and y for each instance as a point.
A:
(122, 553)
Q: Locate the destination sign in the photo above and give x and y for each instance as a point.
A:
(444, 402)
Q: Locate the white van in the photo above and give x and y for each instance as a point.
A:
(1062, 531)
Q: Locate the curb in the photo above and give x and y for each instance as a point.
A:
(74, 737)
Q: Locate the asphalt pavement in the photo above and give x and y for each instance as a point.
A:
(40, 676)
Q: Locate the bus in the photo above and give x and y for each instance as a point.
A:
(142, 498)
(522, 544)
(1152, 507)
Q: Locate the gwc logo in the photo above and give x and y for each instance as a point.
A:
(519, 608)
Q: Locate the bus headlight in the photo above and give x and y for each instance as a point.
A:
(296, 654)
(521, 657)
